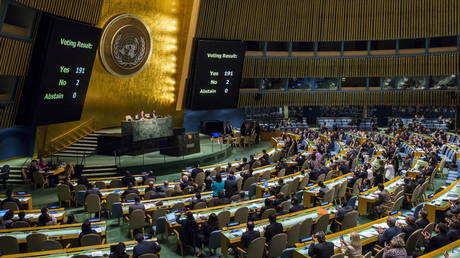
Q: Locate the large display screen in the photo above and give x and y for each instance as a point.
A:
(215, 77)
(59, 71)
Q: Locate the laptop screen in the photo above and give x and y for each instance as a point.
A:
(171, 216)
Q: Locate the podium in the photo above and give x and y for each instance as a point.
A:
(181, 145)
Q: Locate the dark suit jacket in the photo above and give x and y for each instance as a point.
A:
(436, 242)
(93, 191)
(422, 222)
(145, 247)
(128, 179)
(295, 208)
(248, 236)
(389, 234)
(230, 188)
(408, 230)
(272, 230)
(453, 234)
(221, 201)
(321, 250)
(195, 172)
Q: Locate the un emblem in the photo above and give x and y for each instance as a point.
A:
(125, 45)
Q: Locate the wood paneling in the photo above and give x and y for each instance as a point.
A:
(327, 20)
(275, 99)
(443, 64)
(87, 11)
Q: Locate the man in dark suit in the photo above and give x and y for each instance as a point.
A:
(196, 169)
(438, 241)
(410, 227)
(321, 249)
(92, 190)
(148, 176)
(230, 185)
(10, 198)
(144, 247)
(265, 160)
(385, 236)
(196, 200)
(296, 206)
(129, 190)
(339, 217)
(422, 221)
(273, 229)
(127, 179)
(249, 235)
(136, 206)
(150, 188)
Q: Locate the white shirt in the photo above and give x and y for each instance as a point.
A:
(389, 171)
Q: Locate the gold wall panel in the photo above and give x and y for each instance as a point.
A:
(351, 67)
(110, 98)
(424, 98)
(327, 20)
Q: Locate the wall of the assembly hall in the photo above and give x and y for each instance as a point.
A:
(192, 119)
(110, 98)
(16, 142)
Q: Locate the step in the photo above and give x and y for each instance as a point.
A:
(78, 144)
(101, 165)
(99, 169)
(77, 151)
(15, 181)
(94, 138)
(99, 174)
(73, 147)
(87, 141)
(69, 155)
(15, 176)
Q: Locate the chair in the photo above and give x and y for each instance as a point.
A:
(288, 253)
(35, 242)
(223, 218)
(9, 245)
(368, 255)
(281, 173)
(241, 215)
(80, 197)
(286, 205)
(285, 189)
(267, 213)
(91, 239)
(136, 221)
(178, 206)
(12, 206)
(352, 201)
(20, 224)
(214, 240)
(294, 185)
(149, 180)
(235, 198)
(293, 235)
(248, 183)
(100, 185)
(148, 256)
(266, 175)
(341, 194)
(305, 228)
(256, 164)
(81, 256)
(321, 223)
(255, 250)
(115, 183)
(158, 213)
(429, 228)
(148, 195)
(117, 211)
(161, 226)
(48, 245)
(328, 196)
(93, 204)
(329, 175)
(338, 256)
(64, 194)
(320, 178)
(111, 199)
(417, 210)
(304, 182)
(277, 245)
(199, 179)
(199, 205)
(239, 183)
(39, 180)
(413, 240)
(131, 196)
(396, 205)
(349, 220)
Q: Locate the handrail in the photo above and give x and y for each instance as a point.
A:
(71, 130)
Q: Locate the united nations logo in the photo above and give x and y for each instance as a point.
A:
(125, 45)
